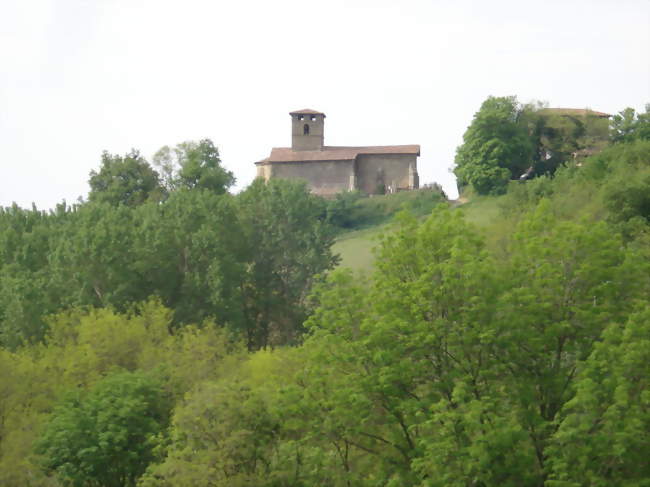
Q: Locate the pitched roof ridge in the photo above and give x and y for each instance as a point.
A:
(334, 153)
(306, 111)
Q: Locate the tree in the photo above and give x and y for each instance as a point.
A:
(289, 244)
(496, 147)
(601, 439)
(223, 434)
(401, 383)
(191, 251)
(629, 125)
(127, 180)
(565, 282)
(193, 165)
(27, 239)
(106, 438)
(24, 302)
(92, 261)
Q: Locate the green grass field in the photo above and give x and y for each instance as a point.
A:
(355, 247)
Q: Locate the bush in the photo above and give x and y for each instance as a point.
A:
(107, 437)
(351, 210)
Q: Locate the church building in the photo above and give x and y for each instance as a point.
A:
(332, 169)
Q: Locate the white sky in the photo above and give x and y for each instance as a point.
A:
(79, 77)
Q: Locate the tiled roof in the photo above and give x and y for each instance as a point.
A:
(332, 153)
(576, 112)
(306, 111)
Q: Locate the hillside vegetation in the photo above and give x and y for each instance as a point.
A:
(361, 220)
(507, 140)
(173, 335)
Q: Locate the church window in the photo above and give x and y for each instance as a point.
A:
(313, 118)
(302, 117)
(305, 130)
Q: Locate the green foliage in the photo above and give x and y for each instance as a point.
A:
(193, 165)
(222, 435)
(601, 439)
(626, 192)
(82, 348)
(127, 180)
(496, 147)
(485, 349)
(241, 261)
(339, 210)
(561, 137)
(90, 262)
(87, 344)
(450, 369)
(23, 306)
(507, 140)
(629, 198)
(191, 252)
(289, 244)
(350, 210)
(25, 390)
(628, 125)
(611, 185)
(108, 436)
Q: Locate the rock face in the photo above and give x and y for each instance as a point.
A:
(332, 169)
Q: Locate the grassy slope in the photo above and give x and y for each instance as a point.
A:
(355, 247)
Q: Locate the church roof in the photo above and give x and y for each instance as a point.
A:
(335, 153)
(306, 111)
(576, 112)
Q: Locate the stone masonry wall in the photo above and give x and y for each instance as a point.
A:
(325, 178)
(392, 168)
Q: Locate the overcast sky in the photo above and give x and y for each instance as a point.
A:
(79, 77)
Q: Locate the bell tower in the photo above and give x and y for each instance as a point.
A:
(307, 130)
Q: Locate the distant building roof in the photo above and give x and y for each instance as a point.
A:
(306, 111)
(577, 112)
(333, 153)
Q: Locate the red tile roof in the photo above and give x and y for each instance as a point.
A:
(576, 112)
(332, 153)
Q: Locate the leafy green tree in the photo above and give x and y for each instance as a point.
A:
(191, 251)
(403, 383)
(437, 291)
(85, 345)
(623, 173)
(26, 391)
(92, 261)
(193, 165)
(27, 238)
(566, 282)
(628, 125)
(629, 198)
(496, 147)
(108, 437)
(222, 435)
(127, 180)
(340, 209)
(601, 440)
(289, 244)
(25, 235)
(24, 302)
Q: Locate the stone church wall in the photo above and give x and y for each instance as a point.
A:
(325, 178)
(389, 169)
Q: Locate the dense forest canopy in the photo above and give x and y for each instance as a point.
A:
(168, 333)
